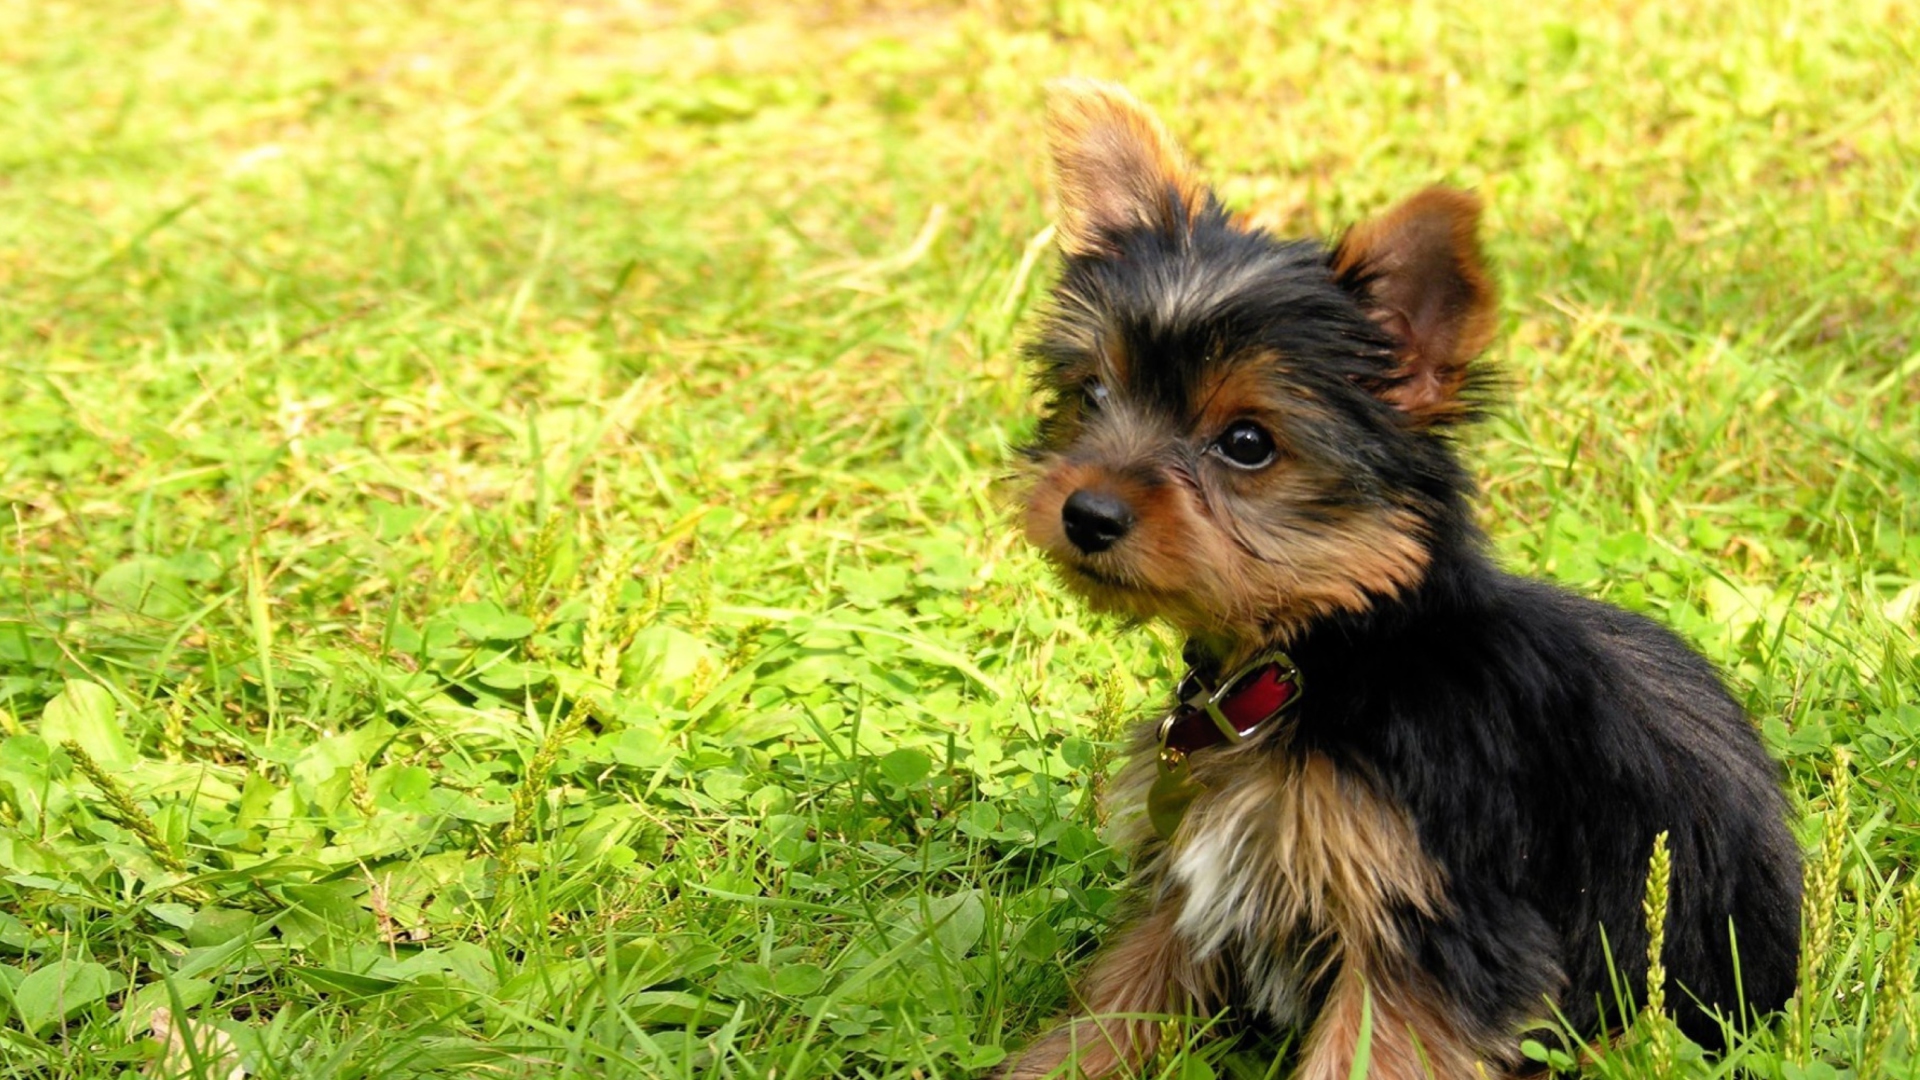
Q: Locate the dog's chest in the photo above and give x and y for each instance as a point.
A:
(1285, 866)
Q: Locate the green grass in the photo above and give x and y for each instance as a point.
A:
(511, 497)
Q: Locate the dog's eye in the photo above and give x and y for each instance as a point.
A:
(1093, 394)
(1245, 444)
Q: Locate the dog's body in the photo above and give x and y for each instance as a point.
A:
(1445, 819)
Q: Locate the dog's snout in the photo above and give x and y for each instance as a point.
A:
(1095, 520)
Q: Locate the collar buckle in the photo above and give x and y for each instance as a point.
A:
(1261, 690)
(1236, 710)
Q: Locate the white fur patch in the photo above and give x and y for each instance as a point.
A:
(1290, 867)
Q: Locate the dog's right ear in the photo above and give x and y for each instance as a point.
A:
(1115, 167)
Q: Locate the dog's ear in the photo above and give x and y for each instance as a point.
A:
(1114, 166)
(1419, 271)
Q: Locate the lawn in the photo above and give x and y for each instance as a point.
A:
(507, 563)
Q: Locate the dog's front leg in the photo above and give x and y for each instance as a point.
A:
(1411, 1037)
(1118, 1008)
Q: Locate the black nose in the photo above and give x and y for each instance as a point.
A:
(1095, 520)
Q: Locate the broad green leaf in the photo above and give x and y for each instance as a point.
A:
(1076, 752)
(874, 586)
(488, 621)
(146, 585)
(798, 980)
(174, 994)
(513, 675)
(746, 980)
(1039, 943)
(58, 990)
(405, 785)
(674, 1008)
(85, 713)
(15, 935)
(345, 983)
(179, 916)
(905, 767)
(957, 921)
(217, 926)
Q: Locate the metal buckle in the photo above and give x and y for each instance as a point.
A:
(1211, 705)
(1170, 756)
(1174, 788)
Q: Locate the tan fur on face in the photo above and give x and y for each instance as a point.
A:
(1305, 572)
(1239, 389)
(1158, 570)
(1298, 570)
(1114, 165)
(1219, 579)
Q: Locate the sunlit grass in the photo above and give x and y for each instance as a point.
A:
(515, 495)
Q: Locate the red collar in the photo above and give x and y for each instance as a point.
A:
(1234, 712)
(1207, 715)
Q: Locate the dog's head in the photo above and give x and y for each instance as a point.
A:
(1241, 433)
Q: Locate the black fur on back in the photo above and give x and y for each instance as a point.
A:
(1538, 740)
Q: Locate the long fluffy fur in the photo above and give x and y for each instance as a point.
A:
(1455, 820)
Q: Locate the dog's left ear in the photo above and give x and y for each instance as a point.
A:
(1419, 272)
(1114, 166)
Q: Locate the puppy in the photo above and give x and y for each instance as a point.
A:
(1398, 782)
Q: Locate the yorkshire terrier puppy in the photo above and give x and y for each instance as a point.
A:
(1397, 781)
